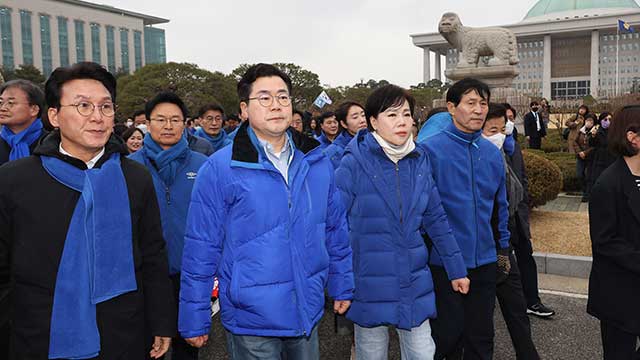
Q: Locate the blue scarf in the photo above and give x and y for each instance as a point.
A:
(218, 142)
(20, 142)
(97, 260)
(509, 145)
(167, 161)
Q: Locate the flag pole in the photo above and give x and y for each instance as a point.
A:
(617, 58)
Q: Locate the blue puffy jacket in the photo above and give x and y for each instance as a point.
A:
(388, 205)
(273, 246)
(323, 140)
(173, 200)
(335, 151)
(470, 175)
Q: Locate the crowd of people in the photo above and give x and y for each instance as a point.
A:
(113, 236)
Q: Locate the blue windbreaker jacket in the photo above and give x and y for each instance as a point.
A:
(274, 247)
(335, 151)
(470, 175)
(388, 205)
(173, 200)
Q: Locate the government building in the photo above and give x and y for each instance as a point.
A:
(567, 49)
(53, 33)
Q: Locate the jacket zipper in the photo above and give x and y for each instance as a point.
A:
(398, 190)
(475, 202)
(167, 195)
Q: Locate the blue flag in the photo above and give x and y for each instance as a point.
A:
(624, 26)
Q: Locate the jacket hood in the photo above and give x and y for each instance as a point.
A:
(365, 145)
(243, 149)
(50, 146)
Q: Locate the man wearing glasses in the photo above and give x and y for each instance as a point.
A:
(21, 106)
(81, 247)
(267, 220)
(173, 167)
(212, 122)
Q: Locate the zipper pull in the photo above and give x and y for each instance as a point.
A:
(167, 195)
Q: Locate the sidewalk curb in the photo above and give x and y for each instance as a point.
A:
(563, 265)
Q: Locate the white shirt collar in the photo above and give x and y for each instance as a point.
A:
(91, 163)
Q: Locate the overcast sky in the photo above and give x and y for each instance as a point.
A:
(342, 41)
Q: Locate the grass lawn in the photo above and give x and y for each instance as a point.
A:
(560, 232)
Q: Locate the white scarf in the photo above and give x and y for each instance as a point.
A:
(394, 152)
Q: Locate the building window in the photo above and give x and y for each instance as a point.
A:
(154, 46)
(137, 48)
(111, 49)
(7, 37)
(63, 39)
(95, 43)
(45, 42)
(124, 49)
(27, 37)
(80, 55)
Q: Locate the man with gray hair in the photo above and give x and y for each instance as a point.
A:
(21, 106)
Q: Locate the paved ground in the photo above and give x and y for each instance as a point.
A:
(572, 334)
(566, 203)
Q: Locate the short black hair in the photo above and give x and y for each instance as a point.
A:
(137, 113)
(385, 97)
(259, 71)
(35, 96)
(343, 110)
(234, 117)
(508, 106)
(325, 115)
(162, 98)
(81, 70)
(625, 119)
(296, 111)
(465, 86)
(436, 110)
(585, 107)
(496, 111)
(210, 107)
(534, 102)
(127, 133)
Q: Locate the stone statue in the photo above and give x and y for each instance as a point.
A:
(472, 43)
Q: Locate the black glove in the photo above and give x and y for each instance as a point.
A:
(503, 265)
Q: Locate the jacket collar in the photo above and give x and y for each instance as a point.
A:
(453, 132)
(244, 150)
(629, 187)
(50, 146)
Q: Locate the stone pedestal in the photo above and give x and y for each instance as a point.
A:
(495, 76)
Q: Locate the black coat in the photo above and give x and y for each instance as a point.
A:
(614, 219)
(601, 157)
(5, 149)
(530, 128)
(520, 227)
(35, 211)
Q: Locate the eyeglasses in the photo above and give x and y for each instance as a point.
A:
(86, 108)
(174, 121)
(266, 100)
(10, 104)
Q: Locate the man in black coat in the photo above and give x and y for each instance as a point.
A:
(534, 127)
(21, 106)
(41, 211)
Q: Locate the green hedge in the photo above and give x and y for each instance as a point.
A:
(545, 178)
(554, 148)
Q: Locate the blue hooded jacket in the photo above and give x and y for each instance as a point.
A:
(388, 206)
(470, 175)
(273, 246)
(335, 151)
(323, 140)
(173, 200)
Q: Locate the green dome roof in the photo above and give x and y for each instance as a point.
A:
(547, 7)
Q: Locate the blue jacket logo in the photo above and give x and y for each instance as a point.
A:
(191, 175)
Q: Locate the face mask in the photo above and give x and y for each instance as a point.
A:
(143, 127)
(605, 123)
(509, 127)
(129, 123)
(496, 139)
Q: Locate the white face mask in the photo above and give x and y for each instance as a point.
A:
(496, 139)
(129, 123)
(143, 127)
(509, 127)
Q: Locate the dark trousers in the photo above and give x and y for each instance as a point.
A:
(527, 266)
(514, 311)
(180, 349)
(618, 344)
(464, 326)
(535, 142)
